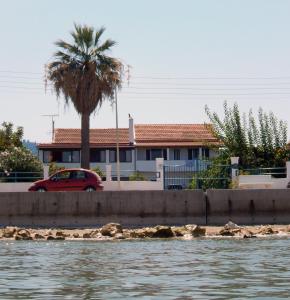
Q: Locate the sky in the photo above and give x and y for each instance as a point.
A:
(182, 55)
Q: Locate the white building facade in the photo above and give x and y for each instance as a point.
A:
(139, 144)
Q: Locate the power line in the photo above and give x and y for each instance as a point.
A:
(176, 78)
(212, 78)
(170, 93)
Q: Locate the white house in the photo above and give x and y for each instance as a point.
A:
(139, 144)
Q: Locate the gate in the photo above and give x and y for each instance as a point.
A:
(180, 176)
(192, 174)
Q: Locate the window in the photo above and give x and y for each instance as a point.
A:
(78, 175)
(205, 152)
(155, 153)
(193, 154)
(113, 156)
(61, 176)
(71, 156)
(176, 154)
(47, 156)
(125, 155)
(152, 154)
(52, 156)
(97, 155)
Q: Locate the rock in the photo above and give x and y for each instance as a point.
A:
(111, 229)
(53, 238)
(76, 235)
(126, 233)
(188, 236)
(137, 234)
(246, 234)
(18, 237)
(195, 230)
(95, 234)
(287, 229)
(237, 232)
(229, 232)
(60, 233)
(48, 232)
(38, 236)
(265, 230)
(163, 232)
(99, 236)
(87, 235)
(231, 225)
(179, 231)
(9, 232)
(119, 236)
(23, 234)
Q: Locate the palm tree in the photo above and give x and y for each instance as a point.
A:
(85, 75)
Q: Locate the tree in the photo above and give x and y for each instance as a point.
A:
(264, 144)
(19, 159)
(9, 137)
(85, 75)
(14, 157)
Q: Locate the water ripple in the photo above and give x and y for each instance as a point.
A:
(159, 269)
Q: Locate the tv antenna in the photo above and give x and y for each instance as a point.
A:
(52, 116)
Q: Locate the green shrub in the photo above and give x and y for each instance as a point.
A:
(99, 171)
(53, 168)
(19, 159)
(137, 176)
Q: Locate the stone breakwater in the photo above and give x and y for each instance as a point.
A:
(115, 231)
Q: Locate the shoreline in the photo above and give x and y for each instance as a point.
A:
(115, 231)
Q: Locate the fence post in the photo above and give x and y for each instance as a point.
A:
(288, 169)
(108, 172)
(159, 169)
(235, 168)
(45, 172)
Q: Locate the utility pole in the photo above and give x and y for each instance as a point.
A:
(52, 116)
(117, 141)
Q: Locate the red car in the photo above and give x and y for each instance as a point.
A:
(69, 180)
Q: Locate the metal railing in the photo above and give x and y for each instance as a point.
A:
(135, 175)
(278, 172)
(20, 176)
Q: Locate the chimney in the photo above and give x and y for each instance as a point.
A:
(131, 131)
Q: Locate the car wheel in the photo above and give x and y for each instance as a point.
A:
(90, 189)
(41, 190)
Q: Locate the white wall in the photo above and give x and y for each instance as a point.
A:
(133, 185)
(14, 186)
(262, 181)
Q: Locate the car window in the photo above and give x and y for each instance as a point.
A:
(63, 175)
(78, 175)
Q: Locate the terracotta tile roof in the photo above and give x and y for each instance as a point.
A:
(146, 135)
(173, 135)
(71, 138)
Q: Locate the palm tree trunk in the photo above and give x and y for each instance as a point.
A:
(85, 137)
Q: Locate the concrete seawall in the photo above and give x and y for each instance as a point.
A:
(130, 208)
(266, 206)
(141, 208)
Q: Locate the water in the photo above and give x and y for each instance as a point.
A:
(158, 269)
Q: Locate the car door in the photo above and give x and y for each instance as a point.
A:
(78, 180)
(60, 181)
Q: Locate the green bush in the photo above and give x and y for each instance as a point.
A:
(137, 176)
(53, 168)
(19, 159)
(99, 171)
(216, 176)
